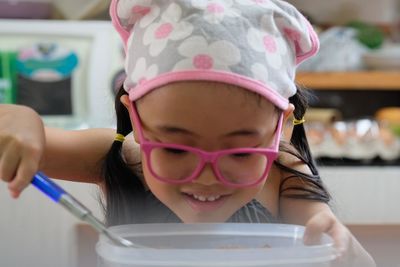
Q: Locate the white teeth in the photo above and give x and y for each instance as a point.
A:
(204, 198)
(211, 199)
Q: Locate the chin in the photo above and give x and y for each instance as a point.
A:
(203, 218)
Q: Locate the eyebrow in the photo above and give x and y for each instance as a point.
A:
(177, 130)
(174, 129)
(243, 132)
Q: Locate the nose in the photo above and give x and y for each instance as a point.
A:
(207, 176)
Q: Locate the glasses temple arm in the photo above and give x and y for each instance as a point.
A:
(135, 120)
(278, 133)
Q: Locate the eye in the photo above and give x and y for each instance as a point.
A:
(174, 151)
(241, 155)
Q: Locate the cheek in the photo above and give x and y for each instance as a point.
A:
(152, 183)
(161, 190)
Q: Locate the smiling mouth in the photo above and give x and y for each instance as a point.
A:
(205, 203)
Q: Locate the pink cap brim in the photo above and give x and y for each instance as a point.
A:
(207, 75)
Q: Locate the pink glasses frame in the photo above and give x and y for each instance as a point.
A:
(206, 157)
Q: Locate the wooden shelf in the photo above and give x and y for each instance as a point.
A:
(365, 80)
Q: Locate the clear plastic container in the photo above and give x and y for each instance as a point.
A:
(222, 245)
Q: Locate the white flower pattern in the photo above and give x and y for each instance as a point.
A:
(260, 73)
(216, 10)
(149, 15)
(142, 73)
(130, 11)
(254, 39)
(273, 46)
(170, 27)
(200, 55)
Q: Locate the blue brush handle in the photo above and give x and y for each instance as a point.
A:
(47, 186)
(59, 195)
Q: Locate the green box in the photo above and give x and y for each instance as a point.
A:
(8, 77)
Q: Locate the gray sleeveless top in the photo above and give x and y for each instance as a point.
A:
(156, 212)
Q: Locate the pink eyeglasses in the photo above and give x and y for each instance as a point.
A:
(178, 164)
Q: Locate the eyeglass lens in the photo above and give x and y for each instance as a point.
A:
(235, 168)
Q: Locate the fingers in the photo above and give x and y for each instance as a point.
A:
(18, 164)
(27, 168)
(9, 161)
(14, 194)
(22, 142)
(318, 224)
(341, 237)
(326, 222)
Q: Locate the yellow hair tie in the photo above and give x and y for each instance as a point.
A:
(119, 138)
(298, 122)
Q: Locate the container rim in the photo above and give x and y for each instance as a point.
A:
(236, 257)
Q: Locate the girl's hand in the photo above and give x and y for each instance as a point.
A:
(350, 252)
(22, 141)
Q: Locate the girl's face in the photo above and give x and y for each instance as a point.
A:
(209, 116)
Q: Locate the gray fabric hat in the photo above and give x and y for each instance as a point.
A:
(254, 44)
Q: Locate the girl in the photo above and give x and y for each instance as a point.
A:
(209, 85)
(207, 92)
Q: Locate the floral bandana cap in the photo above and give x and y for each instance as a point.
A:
(254, 44)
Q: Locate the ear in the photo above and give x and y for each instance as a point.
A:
(127, 102)
(288, 113)
(287, 128)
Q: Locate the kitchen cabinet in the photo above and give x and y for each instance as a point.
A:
(362, 194)
(355, 94)
(363, 80)
(365, 198)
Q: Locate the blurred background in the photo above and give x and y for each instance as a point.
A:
(353, 125)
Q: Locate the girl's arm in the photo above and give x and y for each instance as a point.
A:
(318, 218)
(76, 155)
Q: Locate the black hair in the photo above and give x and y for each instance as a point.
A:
(310, 186)
(124, 191)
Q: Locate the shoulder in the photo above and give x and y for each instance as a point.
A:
(291, 179)
(291, 158)
(295, 173)
(283, 170)
(131, 151)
